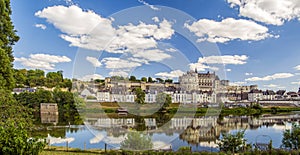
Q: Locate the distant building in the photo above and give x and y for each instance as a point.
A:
(255, 95)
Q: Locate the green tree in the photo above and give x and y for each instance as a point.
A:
(291, 138)
(169, 80)
(150, 80)
(132, 78)
(8, 38)
(140, 96)
(14, 118)
(20, 77)
(232, 142)
(15, 122)
(137, 141)
(144, 79)
(164, 100)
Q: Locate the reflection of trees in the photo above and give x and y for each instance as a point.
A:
(137, 141)
(199, 134)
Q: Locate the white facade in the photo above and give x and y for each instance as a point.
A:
(254, 97)
(103, 97)
(150, 98)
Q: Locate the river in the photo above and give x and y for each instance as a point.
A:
(201, 133)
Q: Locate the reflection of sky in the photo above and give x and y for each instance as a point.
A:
(97, 139)
(263, 134)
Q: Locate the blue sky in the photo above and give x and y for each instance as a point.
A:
(254, 42)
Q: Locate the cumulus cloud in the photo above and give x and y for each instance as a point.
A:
(94, 61)
(274, 12)
(117, 63)
(171, 75)
(206, 62)
(271, 77)
(42, 61)
(237, 83)
(297, 67)
(155, 19)
(225, 59)
(228, 29)
(86, 29)
(118, 73)
(92, 76)
(41, 26)
(201, 67)
(248, 74)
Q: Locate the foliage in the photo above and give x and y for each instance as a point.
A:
(132, 78)
(169, 81)
(291, 138)
(164, 100)
(140, 96)
(37, 78)
(144, 79)
(232, 142)
(150, 80)
(8, 38)
(137, 141)
(15, 122)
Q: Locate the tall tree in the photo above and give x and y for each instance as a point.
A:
(14, 120)
(140, 96)
(8, 38)
(291, 138)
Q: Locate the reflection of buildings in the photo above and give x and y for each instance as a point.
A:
(49, 113)
(193, 130)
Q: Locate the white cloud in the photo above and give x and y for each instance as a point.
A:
(69, 2)
(248, 74)
(274, 12)
(117, 63)
(42, 61)
(41, 26)
(94, 61)
(86, 29)
(155, 19)
(271, 77)
(92, 76)
(228, 29)
(272, 86)
(225, 59)
(201, 65)
(297, 67)
(296, 83)
(171, 75)
(171, 50)
(118, 73)
(237, 83)
(152, 55)
(89, 30)
(149, 5)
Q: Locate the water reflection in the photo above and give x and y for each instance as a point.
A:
(200, 133)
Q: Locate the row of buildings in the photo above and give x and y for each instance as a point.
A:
(192, 87)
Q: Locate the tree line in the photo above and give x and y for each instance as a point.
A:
(37, 77)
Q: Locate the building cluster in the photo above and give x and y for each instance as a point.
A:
(192, 88)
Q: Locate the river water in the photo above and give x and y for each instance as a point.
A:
(201, 133)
